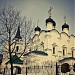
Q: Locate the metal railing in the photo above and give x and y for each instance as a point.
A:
(36, 70)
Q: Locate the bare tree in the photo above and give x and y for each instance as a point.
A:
(9, 21)
(27, 31)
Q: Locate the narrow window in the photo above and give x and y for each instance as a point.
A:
(53, 50)
(17, 48)
(63, 52)
(72, 53)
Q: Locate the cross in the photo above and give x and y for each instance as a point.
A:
(50, 11)
(37, 22)
(64, 19)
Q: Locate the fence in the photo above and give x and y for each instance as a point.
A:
(34, 70)
(37, 70)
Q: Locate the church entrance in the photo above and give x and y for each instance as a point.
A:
(18, 69)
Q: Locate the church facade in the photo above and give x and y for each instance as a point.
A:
(49, 49)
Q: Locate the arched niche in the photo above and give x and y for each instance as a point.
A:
(65, 68)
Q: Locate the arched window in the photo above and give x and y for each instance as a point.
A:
(17, 48)
(65, 68)
(54, 46)
(63, 52)
(72, 53)
(53, 50)
(18, 69)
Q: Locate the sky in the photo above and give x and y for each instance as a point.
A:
(38, 9)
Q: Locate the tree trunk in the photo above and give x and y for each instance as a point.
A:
(11, 65)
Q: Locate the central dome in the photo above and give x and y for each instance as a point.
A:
(50, 20)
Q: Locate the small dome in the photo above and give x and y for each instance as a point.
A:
(51, 20)
(65, 26)
(37, 29)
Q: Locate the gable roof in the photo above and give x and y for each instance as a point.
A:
(15, 60)
(66, 59)
(36, 52)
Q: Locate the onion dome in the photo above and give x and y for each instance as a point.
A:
(18, 33)
(37, 29)
(65, 26)
(50, 20)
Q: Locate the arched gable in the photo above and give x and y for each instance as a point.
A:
(65, 35)
(55, 32)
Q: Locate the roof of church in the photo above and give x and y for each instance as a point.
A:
(18, 33)
(15, 60)
(51, 20)
(65, 26)
(37, 28)
(37, 52)
(65, 59)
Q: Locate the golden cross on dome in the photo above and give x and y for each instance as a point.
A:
(37, 22)
(64, 19)
(49, 12)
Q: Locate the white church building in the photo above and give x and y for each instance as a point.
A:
(49, 52)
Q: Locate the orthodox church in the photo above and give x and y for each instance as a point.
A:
(49, 52)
